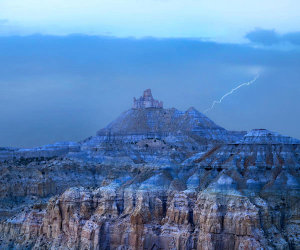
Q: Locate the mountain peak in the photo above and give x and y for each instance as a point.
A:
(146, 101)
(192, 109)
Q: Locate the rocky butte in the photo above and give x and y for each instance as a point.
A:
(146, 101)
(154, 178)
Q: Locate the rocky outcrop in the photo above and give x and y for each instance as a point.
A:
(146, 101)
(169, 134)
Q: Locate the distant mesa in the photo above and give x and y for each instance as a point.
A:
(264, 136)
(146, 101)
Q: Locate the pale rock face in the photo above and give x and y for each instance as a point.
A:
(154, 179)
(178, 210)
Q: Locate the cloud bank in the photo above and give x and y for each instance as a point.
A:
(271, 37)
(218, 20)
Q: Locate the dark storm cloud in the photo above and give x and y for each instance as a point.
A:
(66, 88)
(293, 37)
(271, 37)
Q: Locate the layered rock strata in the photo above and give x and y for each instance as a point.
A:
(217, 200)
(154, 179)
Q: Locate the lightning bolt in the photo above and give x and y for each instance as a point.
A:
(231, 92)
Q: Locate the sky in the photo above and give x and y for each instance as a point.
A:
(218, 20)
(68, 68)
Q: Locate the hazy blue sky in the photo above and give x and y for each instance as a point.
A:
(55, 85)
(218, 20)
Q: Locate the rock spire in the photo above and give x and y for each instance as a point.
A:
(146, 101)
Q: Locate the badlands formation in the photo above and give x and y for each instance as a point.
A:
(154, 178)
